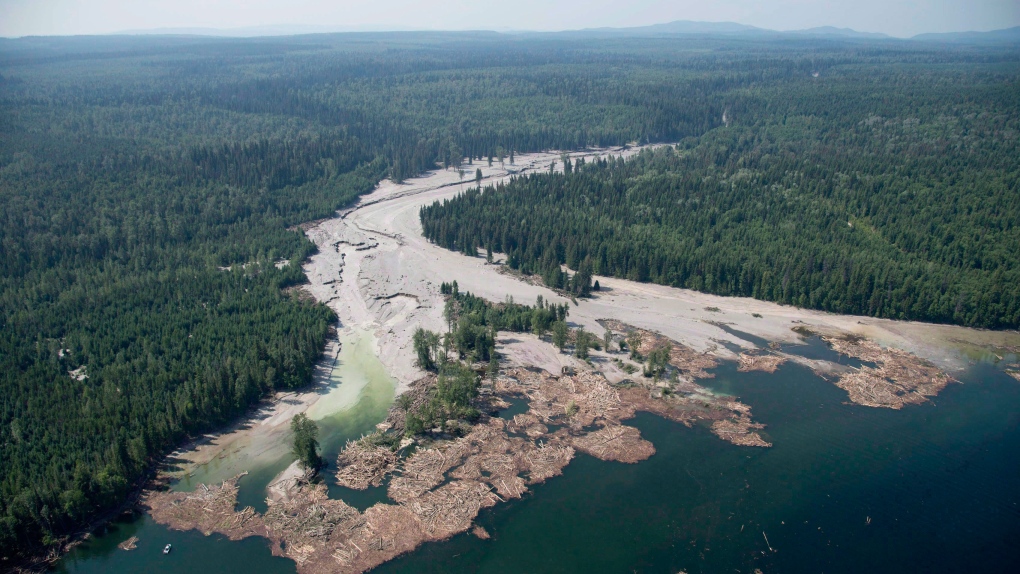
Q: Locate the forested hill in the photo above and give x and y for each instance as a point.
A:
(147, 186)
(885, 191)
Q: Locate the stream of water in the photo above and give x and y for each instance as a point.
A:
(358, 397)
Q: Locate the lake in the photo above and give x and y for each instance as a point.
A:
(846, 488)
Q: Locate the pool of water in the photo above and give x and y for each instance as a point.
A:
(518, 406)
(810, 347)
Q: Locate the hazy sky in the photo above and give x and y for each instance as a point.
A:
(894, 17)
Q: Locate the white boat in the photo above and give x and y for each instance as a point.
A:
(166, 549)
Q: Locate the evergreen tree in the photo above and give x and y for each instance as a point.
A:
(559, 330)
(424, 342)
(306, 443)
(581, 343)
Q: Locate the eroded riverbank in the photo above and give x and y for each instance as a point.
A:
(380, 276)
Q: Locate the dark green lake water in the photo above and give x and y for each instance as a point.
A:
(940, 483)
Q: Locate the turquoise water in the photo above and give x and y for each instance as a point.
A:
(339, 418)
(940, 484)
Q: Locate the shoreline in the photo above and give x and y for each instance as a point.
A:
(377, 272)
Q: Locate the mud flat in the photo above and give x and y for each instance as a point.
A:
(378, 273)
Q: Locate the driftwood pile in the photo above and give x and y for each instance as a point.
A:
(528, 424)
(362, 464)
(740, 431)
(208, 509)
(618, 442)
(755, 361)
(897, 379)
(692, 364)
(547, 461)
(129, 544)
(449, 510)
(480, 532)
(421, 472)
(578, 400)
(307, 523)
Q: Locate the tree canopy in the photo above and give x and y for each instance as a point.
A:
(151, 189)
(885, 193)
(306, 442)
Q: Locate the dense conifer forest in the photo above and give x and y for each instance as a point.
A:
(149, 189)
(889, 192)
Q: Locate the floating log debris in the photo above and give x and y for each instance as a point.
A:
(740, 431)
(480, 533)
(620, 443)
(129, 544)
(438, 490)
(755, 361)
(547, 461)
(362, 464)
(450, 509)
(897, 379)
(422, 472)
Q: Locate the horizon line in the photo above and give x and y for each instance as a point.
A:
(240, 32)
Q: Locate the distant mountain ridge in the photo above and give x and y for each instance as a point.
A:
(257, 31)
(1005, 35)
(1008, 35)
(682, 27)
(678, 27)
(833, 31)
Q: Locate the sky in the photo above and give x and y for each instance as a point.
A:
(901, 18)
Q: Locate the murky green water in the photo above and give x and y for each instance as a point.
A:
(358, 398)
(931, 488)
